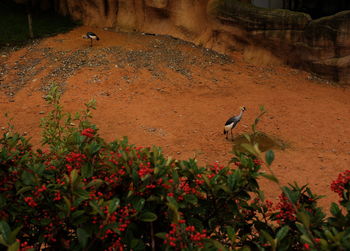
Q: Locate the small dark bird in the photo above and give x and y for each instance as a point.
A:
(232, 122)
(92, 36)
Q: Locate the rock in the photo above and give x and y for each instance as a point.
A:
(159, 4)
(105, 94)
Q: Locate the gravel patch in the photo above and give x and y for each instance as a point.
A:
(162, 50)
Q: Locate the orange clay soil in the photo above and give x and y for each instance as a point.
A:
(162, 91)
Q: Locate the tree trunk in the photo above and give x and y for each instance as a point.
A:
(30, 26)
(30, 22)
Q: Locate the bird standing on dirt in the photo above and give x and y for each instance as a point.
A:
(232, 122)
(92, 36)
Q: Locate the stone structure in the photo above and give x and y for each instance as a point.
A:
(321, 46)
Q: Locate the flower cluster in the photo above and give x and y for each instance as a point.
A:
(342, 183)
(145, 169)
(30, 201)
(24, 246)
(180, 232)
(286, 211)
(75, 161)
(88, 132)
(121, 217)
(216, 168)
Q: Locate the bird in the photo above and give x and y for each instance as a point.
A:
(232, 122)
(92, 36)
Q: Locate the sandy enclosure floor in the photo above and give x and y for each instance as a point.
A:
(161, 91)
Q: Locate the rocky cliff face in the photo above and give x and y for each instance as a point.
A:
(321, 46)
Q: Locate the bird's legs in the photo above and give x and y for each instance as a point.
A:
(231, 135)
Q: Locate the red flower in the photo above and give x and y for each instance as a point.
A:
(341, 183)
(286, 210)
(307, 246)
(30, 201)
(88, 132)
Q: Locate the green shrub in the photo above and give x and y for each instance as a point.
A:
(81, 193)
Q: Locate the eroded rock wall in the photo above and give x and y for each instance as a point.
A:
(266, 36)
(321, 46)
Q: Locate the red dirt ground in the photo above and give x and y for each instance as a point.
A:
(185, 114)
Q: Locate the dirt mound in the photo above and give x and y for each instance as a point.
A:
(163, 91)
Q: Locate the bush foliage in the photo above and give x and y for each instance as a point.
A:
(81, 193)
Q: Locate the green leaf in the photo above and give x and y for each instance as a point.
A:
(113, 205)
(138, 203)
(247, 137)
(301, 228)
(269, 238)
(292, 196)
(77, 214)
(335, 210)
(224, 188)
(250, 148)
(271, 177)
(269, 157)
(74, 175)
(137, 244)
(96, 183)
(282, 233)
(148, 217)
(83, 237)
(168, 162)
(14, 246)
(306, 239)
(94, 148)
(87, 170)
(231, 233)
(13, 234)
(234, 179)
(5, 231)
(329, 235)
(216, 244)
(173, 202)
(24, 189)
(2, 241)
(97, 209)
(190, 198)
(161, 235)
(304, 218)
(68, 205)
(28, 178)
